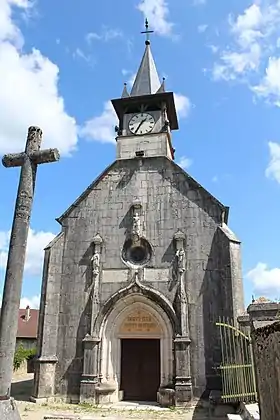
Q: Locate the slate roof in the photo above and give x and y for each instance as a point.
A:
(147, 80)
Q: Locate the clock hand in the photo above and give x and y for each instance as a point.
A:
(140, 125)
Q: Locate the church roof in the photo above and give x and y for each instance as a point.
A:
(147, 80)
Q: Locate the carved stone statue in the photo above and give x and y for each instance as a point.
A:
(95, 263)
(136, 224)
(181, 260)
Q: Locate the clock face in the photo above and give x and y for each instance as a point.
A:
(142, 123)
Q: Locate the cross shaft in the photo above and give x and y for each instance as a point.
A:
(147, 32)
(28, 160)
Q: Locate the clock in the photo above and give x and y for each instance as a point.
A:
(142, 123)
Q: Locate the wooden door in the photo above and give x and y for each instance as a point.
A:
(140, 369)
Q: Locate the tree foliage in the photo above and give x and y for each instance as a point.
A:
(22, 354)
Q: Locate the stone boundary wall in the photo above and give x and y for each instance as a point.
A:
(266, 348)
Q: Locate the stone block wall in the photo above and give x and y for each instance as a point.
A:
(170, 200)
(266, 350)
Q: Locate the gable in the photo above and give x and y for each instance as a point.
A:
(168, 170)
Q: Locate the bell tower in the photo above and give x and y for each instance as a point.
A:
(147, 114)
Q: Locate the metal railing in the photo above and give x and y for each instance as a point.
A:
(237, 368)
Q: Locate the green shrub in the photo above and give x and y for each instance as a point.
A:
(22, 354)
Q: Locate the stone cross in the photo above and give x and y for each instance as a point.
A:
(28, 160)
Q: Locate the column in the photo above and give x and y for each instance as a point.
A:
(90, 377)
(183, 383)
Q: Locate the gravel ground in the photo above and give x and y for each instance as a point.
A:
(21, 389)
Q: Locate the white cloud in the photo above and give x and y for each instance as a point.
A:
(236, 64)
(214, 48)
(80, 54)
(183, 105)
(269, 87)
(101, 127)
(273, 168)
(33, 302)
(106, 35)
(157, 11)
(202, 28)
(184, 162)
(36, 243)
(265, 281)
(254, 34)
(29, 90)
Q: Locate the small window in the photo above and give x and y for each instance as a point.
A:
(138, 254)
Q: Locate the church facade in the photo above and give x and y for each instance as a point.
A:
(143, 267)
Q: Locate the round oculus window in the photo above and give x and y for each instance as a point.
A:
(137, 254)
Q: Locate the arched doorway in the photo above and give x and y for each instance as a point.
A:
(136, 348)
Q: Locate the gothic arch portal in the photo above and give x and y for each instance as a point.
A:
(114, 328)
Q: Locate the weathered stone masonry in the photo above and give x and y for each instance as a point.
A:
(144, 242)
(171, 201)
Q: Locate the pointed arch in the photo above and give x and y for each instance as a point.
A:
(146, 291)
(131, 301)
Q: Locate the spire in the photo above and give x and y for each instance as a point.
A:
(125, 93)
(162, 87)
(147, 81)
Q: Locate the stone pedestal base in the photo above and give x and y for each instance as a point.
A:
(8, 410)
(166, 397)
(44, 377)
(88, 390)
(183, 392)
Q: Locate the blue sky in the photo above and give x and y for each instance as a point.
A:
(60, 65)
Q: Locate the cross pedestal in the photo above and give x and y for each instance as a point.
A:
(9, 410)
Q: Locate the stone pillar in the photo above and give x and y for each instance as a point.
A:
(45, 365)
(43, 387)
(90, 376)
(96, 269)
(183, 383)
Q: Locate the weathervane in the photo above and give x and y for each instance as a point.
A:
(147, 32)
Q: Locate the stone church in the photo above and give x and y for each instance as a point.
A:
(143, 267)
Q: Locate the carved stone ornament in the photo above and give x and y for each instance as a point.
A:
(95, 259)
(181, 260)
(136, 220)
(179, 239)
(136, 229)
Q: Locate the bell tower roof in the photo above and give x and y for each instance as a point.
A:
(147, 80)
(148, 93)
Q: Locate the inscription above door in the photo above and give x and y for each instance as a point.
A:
(140, 322)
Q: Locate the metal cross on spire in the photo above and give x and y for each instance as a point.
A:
(147, 32)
